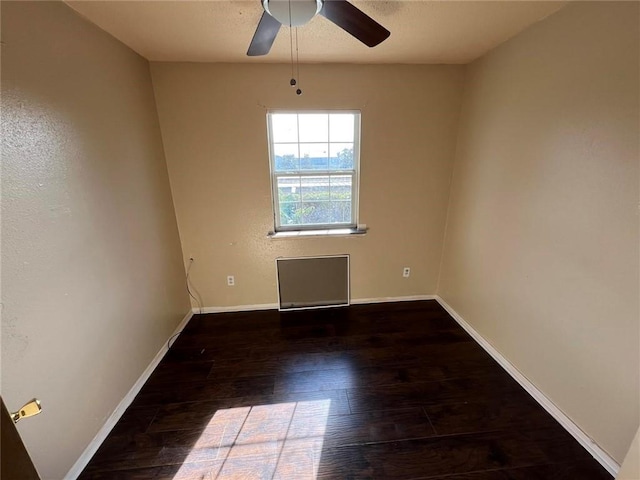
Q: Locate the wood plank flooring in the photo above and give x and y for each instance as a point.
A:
(385, 391)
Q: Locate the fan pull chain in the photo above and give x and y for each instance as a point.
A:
(298, 90)
(292, 82)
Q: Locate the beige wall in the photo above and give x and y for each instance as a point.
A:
(91, 261)
(541, 251)
(630, 469)
(213, 120)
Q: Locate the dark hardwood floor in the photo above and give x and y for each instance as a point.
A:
(386, 391)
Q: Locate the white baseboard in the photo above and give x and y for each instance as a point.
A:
(236, 308)
(102, 434)
(411, 298)
(569, 425)
(274, 306)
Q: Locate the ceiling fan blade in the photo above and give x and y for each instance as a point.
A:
(265, 35)
(354, 21)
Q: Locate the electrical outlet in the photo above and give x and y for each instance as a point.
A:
(406, 271)
(231, 281)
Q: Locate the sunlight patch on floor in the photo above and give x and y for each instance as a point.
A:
(279, 442)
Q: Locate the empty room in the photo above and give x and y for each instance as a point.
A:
(320, 239)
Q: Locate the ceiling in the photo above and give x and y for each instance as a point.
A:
(428, 32)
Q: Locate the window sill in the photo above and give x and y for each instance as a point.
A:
(337, 232)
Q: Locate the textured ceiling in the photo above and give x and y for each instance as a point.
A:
(220, 31)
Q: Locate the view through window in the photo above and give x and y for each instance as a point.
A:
(314, 169)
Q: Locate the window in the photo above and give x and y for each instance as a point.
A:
(314, 160)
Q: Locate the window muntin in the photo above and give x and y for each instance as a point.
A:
(314, 159)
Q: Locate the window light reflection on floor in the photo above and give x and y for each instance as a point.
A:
(281, 441)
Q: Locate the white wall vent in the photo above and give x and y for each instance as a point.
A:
(313, 282)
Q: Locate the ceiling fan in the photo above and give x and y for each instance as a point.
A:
(295, 13)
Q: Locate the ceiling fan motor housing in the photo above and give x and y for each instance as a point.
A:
(301, 10)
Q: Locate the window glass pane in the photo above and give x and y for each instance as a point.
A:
(289, 200)
(284, 127)
(288, 189)
(340, 212)
(340, 187)
(285, 157)
(315, 200)
(341, 126)
(314, 156)
(316, 213)
(314, 127)
(290, 214)
(341, 157)
(315, 188)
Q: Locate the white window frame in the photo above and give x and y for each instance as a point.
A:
(355, 173)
